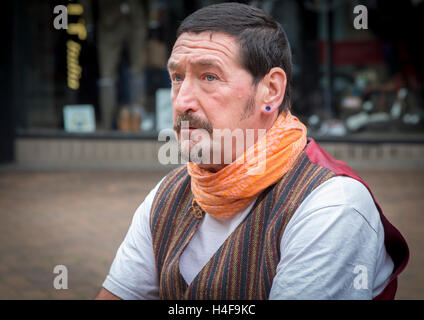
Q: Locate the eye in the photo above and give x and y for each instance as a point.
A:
(210, 77)
(177, 78)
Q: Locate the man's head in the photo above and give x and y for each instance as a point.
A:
(230, 62)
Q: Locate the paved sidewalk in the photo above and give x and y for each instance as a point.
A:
(79, 218)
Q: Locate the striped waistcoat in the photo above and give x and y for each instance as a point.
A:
(245, 264)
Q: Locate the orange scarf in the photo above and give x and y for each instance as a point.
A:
(224, 193)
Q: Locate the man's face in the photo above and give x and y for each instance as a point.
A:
(210, 89)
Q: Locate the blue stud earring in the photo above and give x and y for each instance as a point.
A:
(268, 108)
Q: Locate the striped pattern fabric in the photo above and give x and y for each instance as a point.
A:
(245, 265)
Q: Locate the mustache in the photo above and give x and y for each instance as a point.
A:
(193, 122)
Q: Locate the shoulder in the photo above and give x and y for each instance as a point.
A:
(177, 173)
(174, 179)
(334, 230)
(173, 193)
(146, 205)
(340, 209)
(142, 214)
(341, 192)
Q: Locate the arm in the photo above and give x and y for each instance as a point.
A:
(133, 272)
(333, 238)
(106, 295)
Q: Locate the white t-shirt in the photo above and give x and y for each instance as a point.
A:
(332, 248)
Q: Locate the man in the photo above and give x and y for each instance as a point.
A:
(305, 227)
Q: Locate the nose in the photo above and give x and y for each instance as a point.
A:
(184, 99)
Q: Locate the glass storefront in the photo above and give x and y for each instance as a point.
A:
(107, 71)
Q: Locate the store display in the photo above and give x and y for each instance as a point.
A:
(121, 25)
(344, 80)
(79, 118)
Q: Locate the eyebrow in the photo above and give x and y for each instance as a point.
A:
(172, 65)
(203, 63)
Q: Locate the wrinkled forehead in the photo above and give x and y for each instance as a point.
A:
(191, 45)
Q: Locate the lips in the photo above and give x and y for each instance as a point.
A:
(189, 128)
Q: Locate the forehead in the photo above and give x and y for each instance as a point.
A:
(190, 46)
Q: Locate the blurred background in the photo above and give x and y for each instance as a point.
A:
(85, 92)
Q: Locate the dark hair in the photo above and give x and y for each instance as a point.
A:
(263, 42)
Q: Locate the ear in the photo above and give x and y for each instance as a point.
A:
(273, 89)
